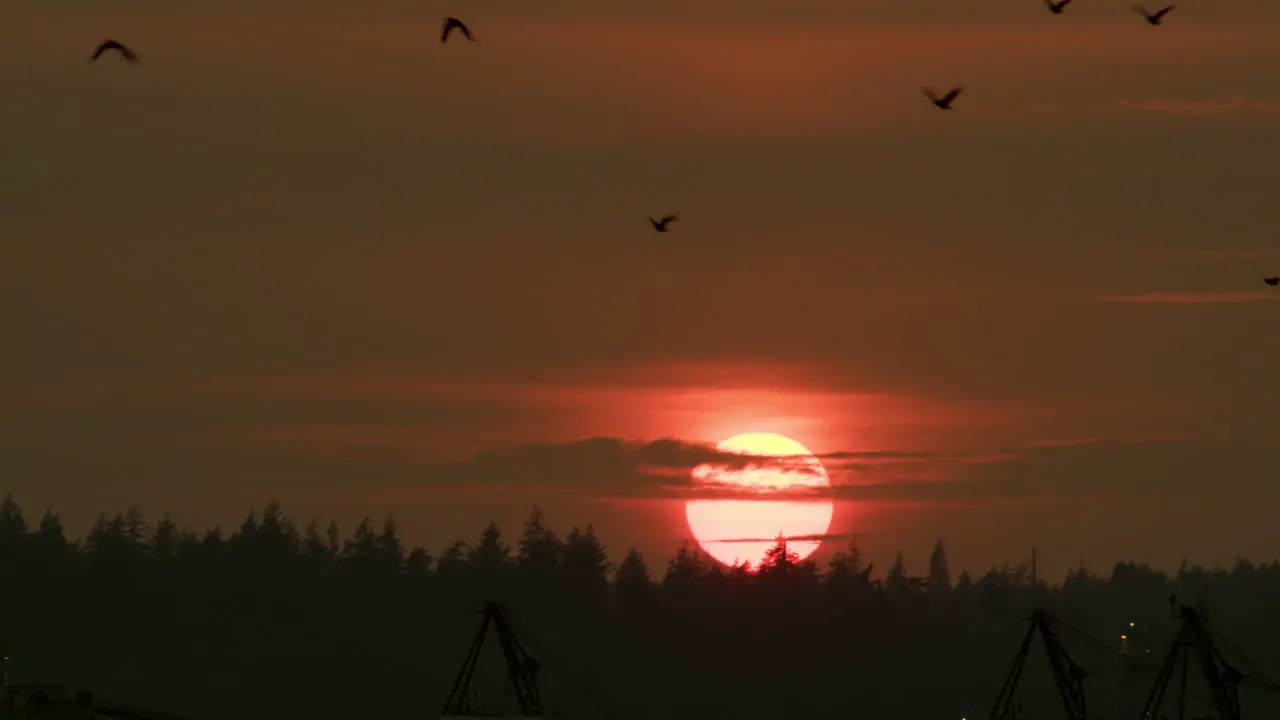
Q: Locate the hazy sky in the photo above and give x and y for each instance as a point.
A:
(304, 251)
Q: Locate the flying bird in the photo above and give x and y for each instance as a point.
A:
(661, 225)
(1057, 7)
(113, 45)
(945, 101)
(452, 22)
(1153, 18)
(1272, 281)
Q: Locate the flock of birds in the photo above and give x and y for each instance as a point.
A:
(943, 102)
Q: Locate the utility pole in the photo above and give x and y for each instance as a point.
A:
(1035, 580)
(1182, 690)
(6, 702)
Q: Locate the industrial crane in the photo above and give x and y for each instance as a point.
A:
(1068, 675)
(522, 670)
(1223, 679)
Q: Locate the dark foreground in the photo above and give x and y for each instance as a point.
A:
(271, 622)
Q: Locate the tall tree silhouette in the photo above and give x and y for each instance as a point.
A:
(684, 572)
(49, 547)
(452, 566)
(417, 566)
(779, 560)
(166, 537)
(540, 552)
(117, 547)
(318, 554)
(939, 571)
(846, 577)
(390, 550)
(586, 564)
(371, 555)
(895, 580)
(489, 560)
(963, 593)
(13, 527)
(632, 581)
(276, 539)
(783, 575)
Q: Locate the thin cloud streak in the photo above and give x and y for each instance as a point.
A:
(1181, 298)
(1207, 108)
(614, 469)
(817, 537)
(655, 459)
(1087, 469)
(1217, 255)
(847, 491)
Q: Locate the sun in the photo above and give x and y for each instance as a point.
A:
(722, 526)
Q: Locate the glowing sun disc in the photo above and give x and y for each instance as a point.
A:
(719, 526)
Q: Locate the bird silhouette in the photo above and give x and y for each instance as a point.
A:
(1153, 18)
(1057, 7)
(1272, 281)
(945, 101)
(661, 225)
(106, 45)
(452, 22)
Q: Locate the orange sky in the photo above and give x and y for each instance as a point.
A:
(303, 250)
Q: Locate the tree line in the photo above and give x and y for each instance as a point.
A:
(273, 618)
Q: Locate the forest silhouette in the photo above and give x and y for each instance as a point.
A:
(276, 619)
